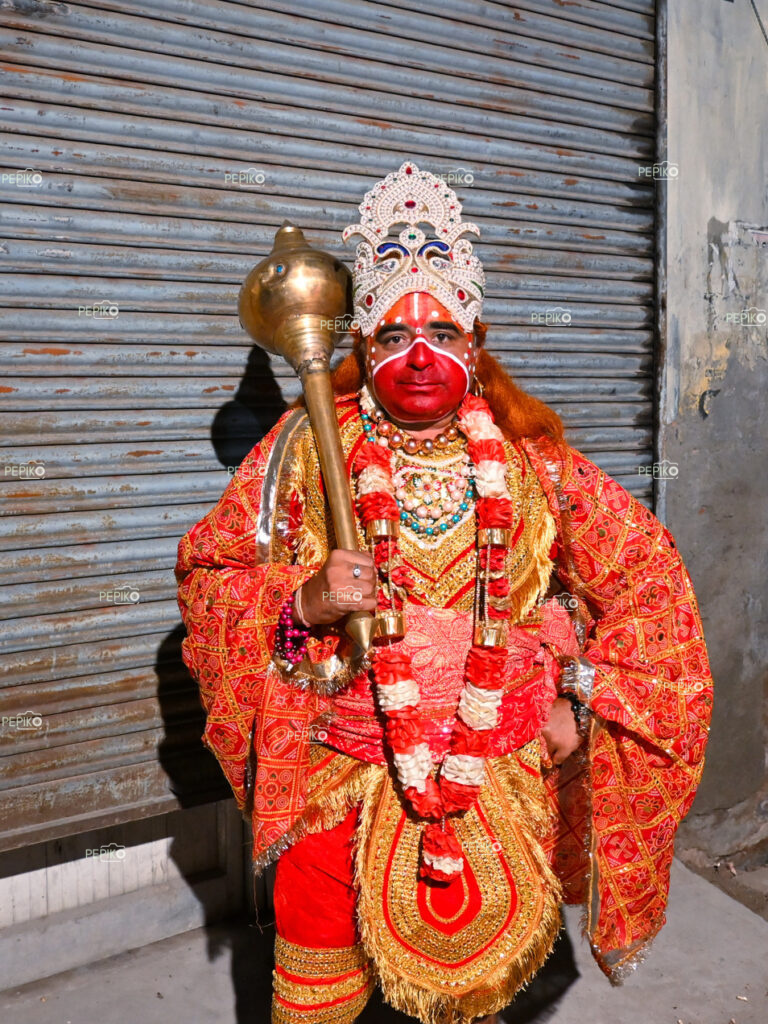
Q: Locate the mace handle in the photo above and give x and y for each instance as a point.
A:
(318, 394)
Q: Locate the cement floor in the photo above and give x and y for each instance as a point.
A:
(708, 966)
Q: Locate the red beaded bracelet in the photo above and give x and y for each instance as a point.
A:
(290, 638)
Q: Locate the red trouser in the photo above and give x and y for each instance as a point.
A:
(321, 972)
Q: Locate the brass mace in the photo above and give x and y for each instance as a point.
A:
(295, 304)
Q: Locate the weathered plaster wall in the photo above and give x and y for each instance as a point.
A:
(713, 417)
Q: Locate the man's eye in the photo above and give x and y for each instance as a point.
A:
(394, 339)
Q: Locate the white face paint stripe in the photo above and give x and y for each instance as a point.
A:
(424, 341)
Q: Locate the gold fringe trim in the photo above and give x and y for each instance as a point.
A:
(324, 809)
(629, 960)
(535, 811)
(538, 578)
(501, 986)
(318, 962)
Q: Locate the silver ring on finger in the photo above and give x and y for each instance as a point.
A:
(357, 572)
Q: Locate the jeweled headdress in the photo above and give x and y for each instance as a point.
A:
(443, 265)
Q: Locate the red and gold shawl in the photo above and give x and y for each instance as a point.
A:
(617, 808)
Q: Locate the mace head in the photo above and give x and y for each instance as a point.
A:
(295, 294)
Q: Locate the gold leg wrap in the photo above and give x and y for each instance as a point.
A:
(319, 986)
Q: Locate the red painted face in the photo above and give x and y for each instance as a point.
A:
(419, 361)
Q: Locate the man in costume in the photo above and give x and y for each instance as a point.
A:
(529, 727)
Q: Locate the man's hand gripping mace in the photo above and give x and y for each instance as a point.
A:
(294, 304)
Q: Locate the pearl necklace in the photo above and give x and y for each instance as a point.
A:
(376, 423)
(433, 497)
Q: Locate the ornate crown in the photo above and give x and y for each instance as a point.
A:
(443, 265)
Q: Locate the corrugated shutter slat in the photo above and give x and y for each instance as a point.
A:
(121, 431)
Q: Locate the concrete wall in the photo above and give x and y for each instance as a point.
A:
(71, 901)
(713, 415)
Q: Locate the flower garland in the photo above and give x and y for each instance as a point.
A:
(463, 770)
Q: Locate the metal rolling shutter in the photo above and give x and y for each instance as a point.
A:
(134, 115)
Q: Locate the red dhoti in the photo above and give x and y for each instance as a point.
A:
(322, 973)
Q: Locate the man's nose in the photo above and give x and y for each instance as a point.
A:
(420, 354)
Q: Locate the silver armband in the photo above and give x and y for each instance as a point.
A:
(578, 677)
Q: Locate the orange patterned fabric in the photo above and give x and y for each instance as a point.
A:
(617, 815)
(653, 696)
(230, 605)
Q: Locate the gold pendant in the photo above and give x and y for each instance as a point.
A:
(382, 528)
(493, 634)
(390, 625)
(494, 535)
